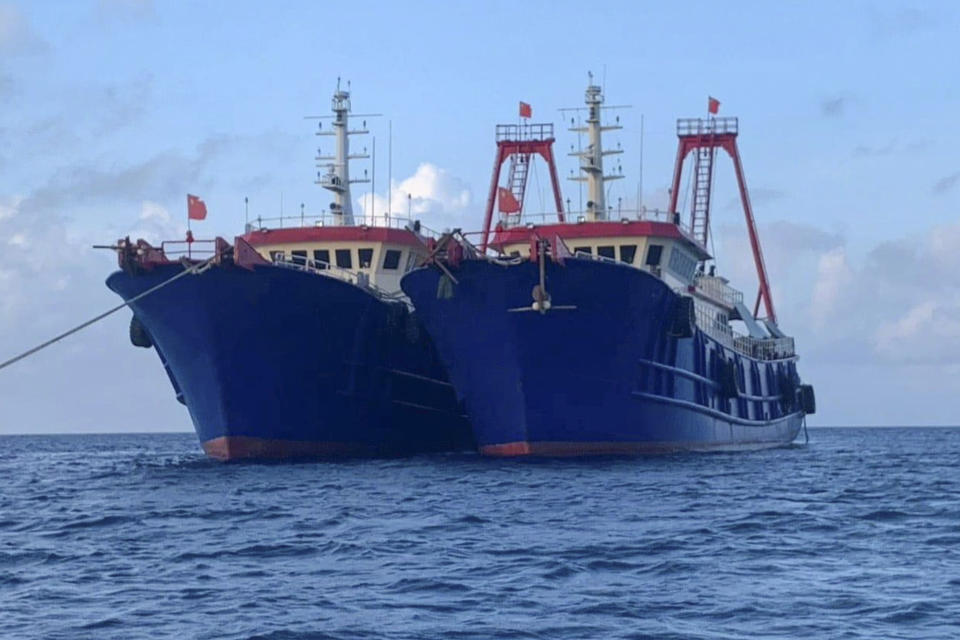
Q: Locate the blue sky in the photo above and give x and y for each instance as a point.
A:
(113, 110)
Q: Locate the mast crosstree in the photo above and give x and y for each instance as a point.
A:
(591, 158)
(337, 176)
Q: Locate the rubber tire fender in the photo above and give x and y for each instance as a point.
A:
(139, 336)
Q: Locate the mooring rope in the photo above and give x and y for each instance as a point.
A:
(193, 269)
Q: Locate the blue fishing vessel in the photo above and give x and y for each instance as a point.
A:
(608, 331)
(297, 341)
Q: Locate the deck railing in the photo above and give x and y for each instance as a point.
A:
(175, 249)
(716, 289)
(327, 219)
(759, 348)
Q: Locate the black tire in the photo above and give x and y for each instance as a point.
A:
(808, 400)
(728, 379)
(139, 336)
(684, 319)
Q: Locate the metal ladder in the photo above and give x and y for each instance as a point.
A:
(703, 177)
(517, 178)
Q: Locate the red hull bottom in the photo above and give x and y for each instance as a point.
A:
(570, 449)
(245, 447)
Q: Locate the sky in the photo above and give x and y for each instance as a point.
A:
(111, 111)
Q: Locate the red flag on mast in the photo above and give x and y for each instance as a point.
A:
(526, 111)
(713, 105)
(508, 204)
(196, 208)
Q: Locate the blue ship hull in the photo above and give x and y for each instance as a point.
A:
(604, 377)
(276, 362)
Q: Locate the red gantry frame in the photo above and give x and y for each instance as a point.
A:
(705, 136)
(518, 143)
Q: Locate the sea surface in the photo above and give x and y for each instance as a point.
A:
(856, 535)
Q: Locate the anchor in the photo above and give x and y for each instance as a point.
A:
(541, 297)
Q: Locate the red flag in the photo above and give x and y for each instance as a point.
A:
(508, 204)
(526, 111)
(196, 208)
(713, 105)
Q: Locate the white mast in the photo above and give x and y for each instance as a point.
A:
(337, 178)
(591, 158)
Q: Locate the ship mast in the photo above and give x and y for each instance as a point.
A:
(337, 178)
(591, 158)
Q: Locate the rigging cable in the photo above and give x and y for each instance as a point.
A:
(193, 269)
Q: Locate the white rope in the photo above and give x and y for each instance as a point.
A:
(103, 315)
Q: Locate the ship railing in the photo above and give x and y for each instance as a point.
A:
(614, 214)
(175, 249)
(707, 126)
(715, 326)
(326, 269)
(327, 219)
(716, 289)
(759, 348)
(521, 132)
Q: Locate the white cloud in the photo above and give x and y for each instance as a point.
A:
(16, 36)
(437, 198)
(9, 206)
(834, 278)
(928, 332)
(156, 225)
(51, 280)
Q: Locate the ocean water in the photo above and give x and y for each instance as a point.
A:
(139, 536)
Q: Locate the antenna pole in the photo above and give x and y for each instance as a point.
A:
(579, 153)
(389, 168)
(246, 213)
(640, 183)
(372, 217)
(337, 178)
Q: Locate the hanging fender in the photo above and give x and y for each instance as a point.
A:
(139, 336)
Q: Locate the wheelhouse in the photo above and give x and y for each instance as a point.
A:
(378, 256)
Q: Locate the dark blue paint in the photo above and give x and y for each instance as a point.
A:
(585, 374)
(283, 354)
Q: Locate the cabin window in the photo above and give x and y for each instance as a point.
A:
(366, 257)
(587, 250)
(654, 253)
(344, 260)
(607, 252)
(299, 257)
(411, 262)
(514, 254)
(391, 259)
(276, 256)
(628, 252)
(682, 263)
(322, 258)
